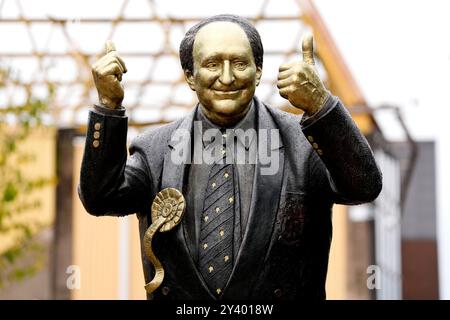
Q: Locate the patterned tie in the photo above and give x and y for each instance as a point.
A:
(220, 224)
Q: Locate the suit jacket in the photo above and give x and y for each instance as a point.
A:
(285, 247)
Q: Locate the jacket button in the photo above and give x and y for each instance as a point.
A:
(97, 126)
(311, 139)
(96, 134)
(95, 144)
(165, 290)
(278, 293)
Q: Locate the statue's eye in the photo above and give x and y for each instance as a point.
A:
(212, 65)
(240, 65)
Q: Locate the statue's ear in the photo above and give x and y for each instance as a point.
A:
(258, 75)
(189, 76)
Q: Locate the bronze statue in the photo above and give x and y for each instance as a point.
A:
(247, 233)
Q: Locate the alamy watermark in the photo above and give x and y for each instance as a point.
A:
(236, 146)
(374, 279)
(73, 281)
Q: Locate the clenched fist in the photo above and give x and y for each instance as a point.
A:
(299, 82)
(107, 72)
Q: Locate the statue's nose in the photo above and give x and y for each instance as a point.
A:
(226, 77)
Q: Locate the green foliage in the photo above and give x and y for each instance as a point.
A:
(23, 257)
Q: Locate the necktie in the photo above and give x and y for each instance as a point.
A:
(219, 221)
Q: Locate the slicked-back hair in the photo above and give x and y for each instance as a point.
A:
(187, 44)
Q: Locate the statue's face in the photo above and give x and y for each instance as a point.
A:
(225, 75)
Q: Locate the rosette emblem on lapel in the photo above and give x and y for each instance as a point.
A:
(167, 211)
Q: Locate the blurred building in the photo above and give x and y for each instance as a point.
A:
(419, 246)
(104, 253)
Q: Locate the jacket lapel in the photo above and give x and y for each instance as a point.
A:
(263, 211)
(173, 176)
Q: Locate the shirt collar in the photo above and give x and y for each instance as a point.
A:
(246, 123)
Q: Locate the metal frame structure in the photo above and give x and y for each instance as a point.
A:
(84, 59)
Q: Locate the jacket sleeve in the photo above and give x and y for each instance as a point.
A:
(343, 162)
(111, 184)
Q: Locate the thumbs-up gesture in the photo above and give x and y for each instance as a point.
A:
(299, 82)
(107, 72)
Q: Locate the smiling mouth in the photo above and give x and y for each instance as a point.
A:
(226, 92)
